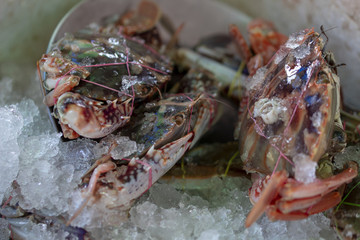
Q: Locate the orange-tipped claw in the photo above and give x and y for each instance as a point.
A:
(319, 187)
(240, 43)
(270, 192)
(102, 168)
(287, 199)
(328, 201)
(143, 19)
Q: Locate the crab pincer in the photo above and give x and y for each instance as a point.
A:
(165, 129)
(265, 40)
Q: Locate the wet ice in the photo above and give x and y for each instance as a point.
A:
(217, 213)
(10, 128)
(304, 168)
(48, 172)
(257, 79)
(4, 229)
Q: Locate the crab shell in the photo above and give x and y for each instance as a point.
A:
(293, 105)
(95, 81)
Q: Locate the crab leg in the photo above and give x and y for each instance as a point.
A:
(298, 204)
(296, 190)
(312, 198)
(326, 202)
(165, 158)
(272, 189)
(240, 43)
(68, 83)
(102, 160)
(68, 132)
(274, 214)
(102, 168)
(136, 177)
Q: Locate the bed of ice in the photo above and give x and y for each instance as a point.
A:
(41, 173)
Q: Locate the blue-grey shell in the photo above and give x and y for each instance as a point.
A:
(293, 102)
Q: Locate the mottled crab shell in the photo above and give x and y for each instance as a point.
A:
(120, 71)
(293, 103)
(146, 69)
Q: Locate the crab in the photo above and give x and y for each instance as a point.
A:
(292, 110)
(265, 40)
(104, 85)
(143, 19)
(165, 129)
(95, 81)
(140, 24)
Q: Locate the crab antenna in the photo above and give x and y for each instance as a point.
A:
(78, 211)
(327, 38)
(323, 32)
(174, 39)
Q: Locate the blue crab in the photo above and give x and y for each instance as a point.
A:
(166, 129)
(100, 82)
(292, 110)
(94, 81)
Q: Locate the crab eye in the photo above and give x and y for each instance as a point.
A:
(144, 91)
(178, 119)
(322, 78)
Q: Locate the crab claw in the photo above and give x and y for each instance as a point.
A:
(143, 19)
(266, 197)
(287, 199)
(60, 86)
(89, 118)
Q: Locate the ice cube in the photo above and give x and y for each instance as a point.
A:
(4, 229)
(10, 128)
(304, 168)
(125, 147)
(210, 234)
(79, 153)
(33, 231)
(302, 51)
(256, 80)
(295, 39)
(28, 110)
(47, 179)
(96, 213)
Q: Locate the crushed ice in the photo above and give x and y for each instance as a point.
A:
(217, 212)
(10, 129)
(42, 173)
(295, 39)
(316, 119)
(257, 79)
(302, 51)
(304, 168)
